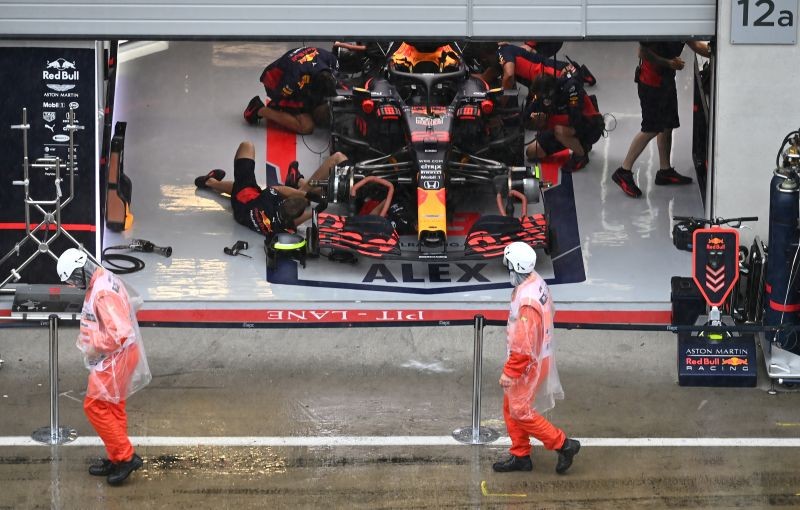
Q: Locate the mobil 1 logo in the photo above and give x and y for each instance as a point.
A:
(764, 21)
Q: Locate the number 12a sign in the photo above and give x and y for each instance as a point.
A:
(764, 21)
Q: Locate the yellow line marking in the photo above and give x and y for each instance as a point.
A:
(486, 492)
(787, 424)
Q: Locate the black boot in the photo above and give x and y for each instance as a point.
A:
(514, 463)
(570, 449)
(122, 470)
(103, 468)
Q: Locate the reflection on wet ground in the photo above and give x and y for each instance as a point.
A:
(442, 477)
(248, 386)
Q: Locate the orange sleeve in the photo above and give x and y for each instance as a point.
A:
(527, 337)
(516, 364)
(114, 319)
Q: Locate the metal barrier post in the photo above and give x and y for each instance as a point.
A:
(54, 434)
(476, 434)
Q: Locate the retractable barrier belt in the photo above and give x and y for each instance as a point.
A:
(743, 328)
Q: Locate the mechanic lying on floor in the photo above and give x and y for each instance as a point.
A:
(268, 211)
(297, 84)
(564, 117)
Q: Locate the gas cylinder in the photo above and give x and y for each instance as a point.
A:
(781, 297)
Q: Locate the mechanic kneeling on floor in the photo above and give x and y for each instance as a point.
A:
(296, 85)
(564, 117)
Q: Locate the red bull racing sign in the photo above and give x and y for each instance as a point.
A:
(715, 263)
(729, 362)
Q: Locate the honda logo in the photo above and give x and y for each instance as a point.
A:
(431, 184)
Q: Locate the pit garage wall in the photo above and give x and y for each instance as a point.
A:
(321, 19)
(756, 106)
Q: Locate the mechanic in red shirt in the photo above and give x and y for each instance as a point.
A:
(530, 378)
(510, 64)
(521, 64)
(550, 49)
(564, 117)
(658, 98)
(297, 84)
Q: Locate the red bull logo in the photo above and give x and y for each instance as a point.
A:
(734, 361)
(716, 364)
(715, 243)
(261, 221)
(265, 220)
(60, 69)
(60, 64)
(307, 56)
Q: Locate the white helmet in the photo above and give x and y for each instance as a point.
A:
(68, 262)
(519, 257)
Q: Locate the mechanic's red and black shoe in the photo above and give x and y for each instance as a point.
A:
(202, 181)
(293, 175)
(575, 163)
(624, 179)
(670, 176)
(251, 112)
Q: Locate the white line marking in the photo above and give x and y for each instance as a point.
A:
(239, 441)
(567, 252)
(67, 395)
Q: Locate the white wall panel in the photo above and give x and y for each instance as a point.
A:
(756, 106)
(637, 18)
(206, 18)
(308, 19)
(528, 18)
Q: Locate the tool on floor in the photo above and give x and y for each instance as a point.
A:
(134, 263)
(237, 247)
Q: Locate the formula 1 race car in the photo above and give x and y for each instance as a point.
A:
(421, 147)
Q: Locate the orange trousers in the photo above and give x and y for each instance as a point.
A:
(110, 421)
(522, 422)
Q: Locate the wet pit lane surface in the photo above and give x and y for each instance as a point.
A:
(440, 477)
(387, 384)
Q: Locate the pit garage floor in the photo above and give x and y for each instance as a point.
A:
(361, 418)
(184, 108)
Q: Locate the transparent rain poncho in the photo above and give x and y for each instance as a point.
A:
(110, 340)
(530, 333)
